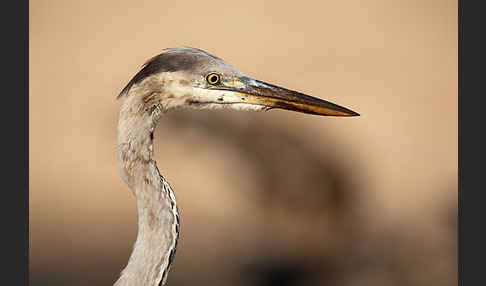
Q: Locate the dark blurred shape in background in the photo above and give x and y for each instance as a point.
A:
(273, 198)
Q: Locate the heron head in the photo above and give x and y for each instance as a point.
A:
(188, 77)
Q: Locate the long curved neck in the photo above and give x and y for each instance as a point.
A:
(158, 219)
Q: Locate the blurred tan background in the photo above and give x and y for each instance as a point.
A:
(275, 198)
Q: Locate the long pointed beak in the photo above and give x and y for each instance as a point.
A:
(265, 94)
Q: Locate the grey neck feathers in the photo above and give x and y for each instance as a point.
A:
(158, 219)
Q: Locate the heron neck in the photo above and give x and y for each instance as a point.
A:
(158, 220)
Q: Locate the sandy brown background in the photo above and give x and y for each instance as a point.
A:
(275, 198)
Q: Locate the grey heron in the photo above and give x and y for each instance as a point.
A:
(181, 78)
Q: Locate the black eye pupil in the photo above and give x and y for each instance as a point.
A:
(213, 79)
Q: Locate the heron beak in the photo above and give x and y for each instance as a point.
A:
(264, 94)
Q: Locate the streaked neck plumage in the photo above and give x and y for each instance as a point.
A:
(158, 219)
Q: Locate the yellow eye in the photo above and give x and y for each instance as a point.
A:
(213, 78)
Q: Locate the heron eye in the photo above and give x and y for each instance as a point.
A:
(213, 78)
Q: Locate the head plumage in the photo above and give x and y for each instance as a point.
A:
(171, 60)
